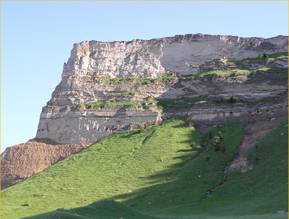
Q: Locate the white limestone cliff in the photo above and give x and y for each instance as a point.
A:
(182, 54)
(63, 121)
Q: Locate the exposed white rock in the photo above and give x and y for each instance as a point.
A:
(87, 128)
(86, 75)
(181, 54)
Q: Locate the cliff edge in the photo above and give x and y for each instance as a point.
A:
(112, 87)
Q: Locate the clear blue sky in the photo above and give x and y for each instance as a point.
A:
(37, 39)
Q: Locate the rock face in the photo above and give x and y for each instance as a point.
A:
(182, 54)
(24, 160)
(88, 77)
(111, 87)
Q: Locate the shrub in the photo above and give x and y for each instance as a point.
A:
(216, 141)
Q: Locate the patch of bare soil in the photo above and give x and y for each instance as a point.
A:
(24, 160)
(254, 132)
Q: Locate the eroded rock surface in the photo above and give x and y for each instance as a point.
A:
(103, 71)
(254, 132)
(24, 160)
(111, 87)
(182, 54)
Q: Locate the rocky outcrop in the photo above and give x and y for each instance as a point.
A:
(24, 160)
(89, 126)
(102, 72)
(111, 87)
(182, 54)
(222, 114)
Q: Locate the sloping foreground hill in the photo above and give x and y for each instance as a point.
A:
(165, 171)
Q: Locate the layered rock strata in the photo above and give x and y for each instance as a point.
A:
(111, 87)
(103, 71)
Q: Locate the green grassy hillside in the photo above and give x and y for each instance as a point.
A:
(164, 171)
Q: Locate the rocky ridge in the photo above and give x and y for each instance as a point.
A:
(111, 87)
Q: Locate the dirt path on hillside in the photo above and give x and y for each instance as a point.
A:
(254, 132)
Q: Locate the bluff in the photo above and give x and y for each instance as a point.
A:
(103, 73)
(111, 87)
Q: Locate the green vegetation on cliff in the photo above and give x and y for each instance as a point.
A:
(147, 103)
(235, 70)
(134, 79)
(165, 171)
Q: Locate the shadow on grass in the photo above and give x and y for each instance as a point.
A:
(173, 195)
(124, 206)
(103, 209)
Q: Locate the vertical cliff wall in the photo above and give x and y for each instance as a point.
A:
(103, 74)
(111, 87)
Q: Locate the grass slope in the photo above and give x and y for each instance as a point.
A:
(160, 172)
